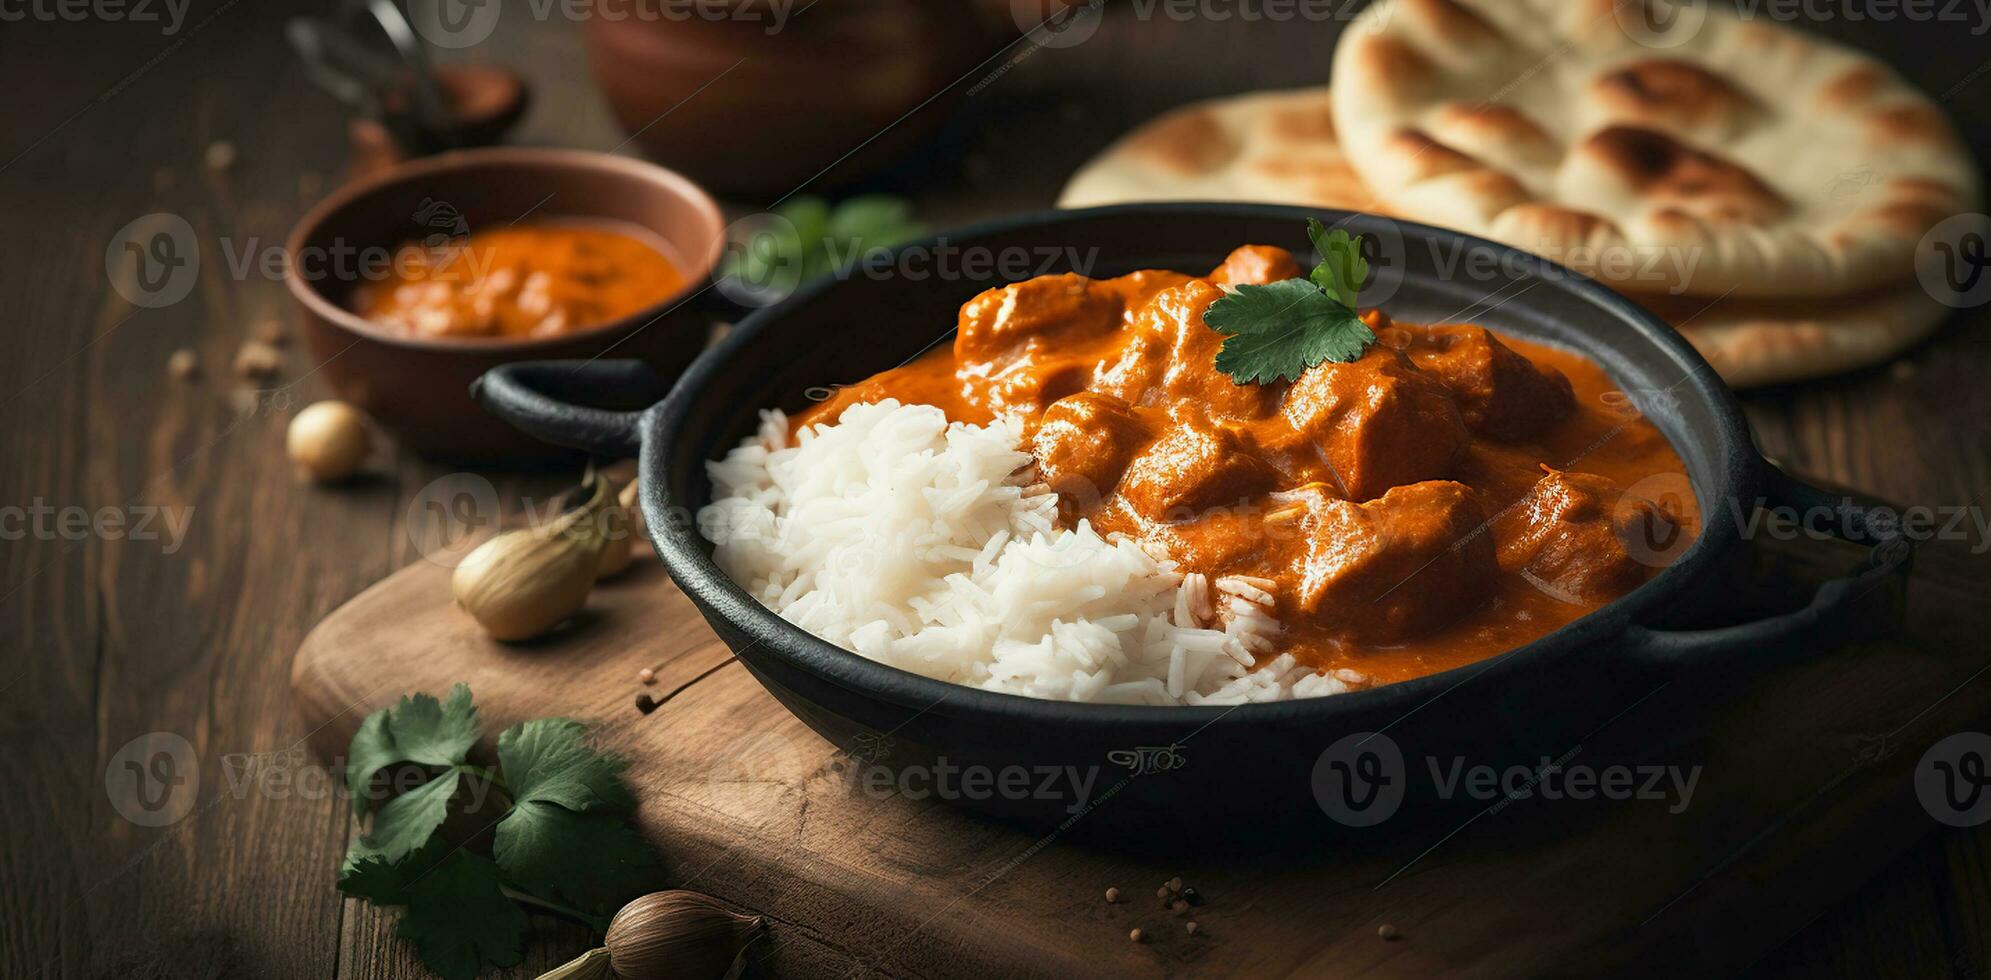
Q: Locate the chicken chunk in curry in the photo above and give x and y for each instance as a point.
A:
(1445, 496)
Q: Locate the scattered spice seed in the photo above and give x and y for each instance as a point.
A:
(1175, 883)
(257, 360)
(1386, 931)
(220, 155)
(1162, 893)
(1179, 907)
(647, 675)
(270, 332)
(1192, 896)
(645, 703)
(184, 364)
(1134, 934)
(1112, 896)
(1192, 927)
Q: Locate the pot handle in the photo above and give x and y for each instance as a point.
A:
(1852, 519)
(542, 399)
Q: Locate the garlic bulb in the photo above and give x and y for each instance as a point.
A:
(632, 504)
(523, 583)
(327, 441)
(668, 935)
(619, 531)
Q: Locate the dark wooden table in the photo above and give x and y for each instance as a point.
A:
(108, 638)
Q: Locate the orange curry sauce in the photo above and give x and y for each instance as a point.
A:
(1448, 496)
(538, 279)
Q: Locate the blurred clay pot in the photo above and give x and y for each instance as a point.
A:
(740, 99)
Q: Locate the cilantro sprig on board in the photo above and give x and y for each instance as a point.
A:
(1277, 331)
(554, 805)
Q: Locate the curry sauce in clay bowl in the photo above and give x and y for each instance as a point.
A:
(1234, 508)
(411, 284)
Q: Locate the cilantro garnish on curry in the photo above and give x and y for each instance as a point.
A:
(1412, 497)
(1278, 330)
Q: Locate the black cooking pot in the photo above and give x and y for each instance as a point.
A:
(1336, 762)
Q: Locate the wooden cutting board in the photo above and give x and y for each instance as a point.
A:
(1804, 791)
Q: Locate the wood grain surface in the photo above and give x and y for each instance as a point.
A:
(110, 639)
(1799, 788)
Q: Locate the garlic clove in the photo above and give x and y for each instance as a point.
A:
(678, 934)
(632, 503)
(327, 440)
(619, 534)
(523, 583)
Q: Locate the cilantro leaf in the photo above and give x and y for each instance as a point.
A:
(549, 760)
(1279, 330)
(594, 861)
(812, 239)
(406, 822)
(418, 729)
(873, 218)
(370, 876)
(460, 919)
(1342, 270)
(563, 837)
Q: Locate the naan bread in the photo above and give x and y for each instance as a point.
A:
(1762, 342)
(1267, 147)
(1750, 342)
(1774, 163)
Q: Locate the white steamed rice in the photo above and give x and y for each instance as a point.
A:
(916, 542)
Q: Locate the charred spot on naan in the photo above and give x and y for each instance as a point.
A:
(1674, 94)
(1854, 87)
(1667, 173)
(1309, 125)
(1391, 69)
(1910, 122)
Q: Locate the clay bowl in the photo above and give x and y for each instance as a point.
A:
(843, 86)
(418, 388)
